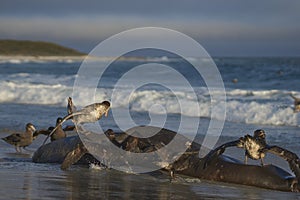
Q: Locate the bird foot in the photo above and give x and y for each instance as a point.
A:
(18, 150)
(294, 185)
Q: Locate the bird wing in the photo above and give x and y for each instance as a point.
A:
(218, 151)
(284, 153)
(42, 131)
(287, 155)
(16, 137)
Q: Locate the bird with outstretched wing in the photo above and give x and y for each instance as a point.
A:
(255, 148)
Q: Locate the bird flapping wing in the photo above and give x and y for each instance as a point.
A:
(219, 150)
(287, 155)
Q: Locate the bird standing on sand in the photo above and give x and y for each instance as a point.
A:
(21, 139)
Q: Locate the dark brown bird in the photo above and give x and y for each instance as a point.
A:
(21, 139)
(59, 132)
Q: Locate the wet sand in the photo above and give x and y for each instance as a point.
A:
(22, 179)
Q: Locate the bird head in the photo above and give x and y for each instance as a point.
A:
(58, 121)
(259, 134)
(30, 127)
(105, 107)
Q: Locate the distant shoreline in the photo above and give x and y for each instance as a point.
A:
(20, 58)
(65, 58)
(80, 58)
(41, 58)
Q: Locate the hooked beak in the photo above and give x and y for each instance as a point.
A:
(104, 108)
(106, 113)
(33, 130)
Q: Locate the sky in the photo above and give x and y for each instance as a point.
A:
(222, 27)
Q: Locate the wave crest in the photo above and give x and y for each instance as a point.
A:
(272, 107)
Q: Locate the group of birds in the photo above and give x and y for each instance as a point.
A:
(255, 146)
(90, 113)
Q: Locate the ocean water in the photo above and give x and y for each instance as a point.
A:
(257, 96)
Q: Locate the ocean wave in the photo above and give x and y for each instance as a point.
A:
(272, 107)
(243, 110)
(33, 93)
(260, 113)
(23, 78)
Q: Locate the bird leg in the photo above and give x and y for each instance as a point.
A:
(294, 185)
(172, 173)
(18, 150)
(262, 162)
(246, 160)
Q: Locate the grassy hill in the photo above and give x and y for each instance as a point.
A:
(35, 48)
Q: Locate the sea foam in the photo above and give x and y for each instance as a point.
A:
(245, 106)
(47, 84)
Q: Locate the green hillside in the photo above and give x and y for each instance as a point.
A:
(34, 48)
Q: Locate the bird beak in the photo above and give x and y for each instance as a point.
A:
(106, 113)
(33, 129)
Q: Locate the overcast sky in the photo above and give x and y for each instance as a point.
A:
(222, 27)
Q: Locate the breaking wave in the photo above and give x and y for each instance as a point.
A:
(274, 107)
